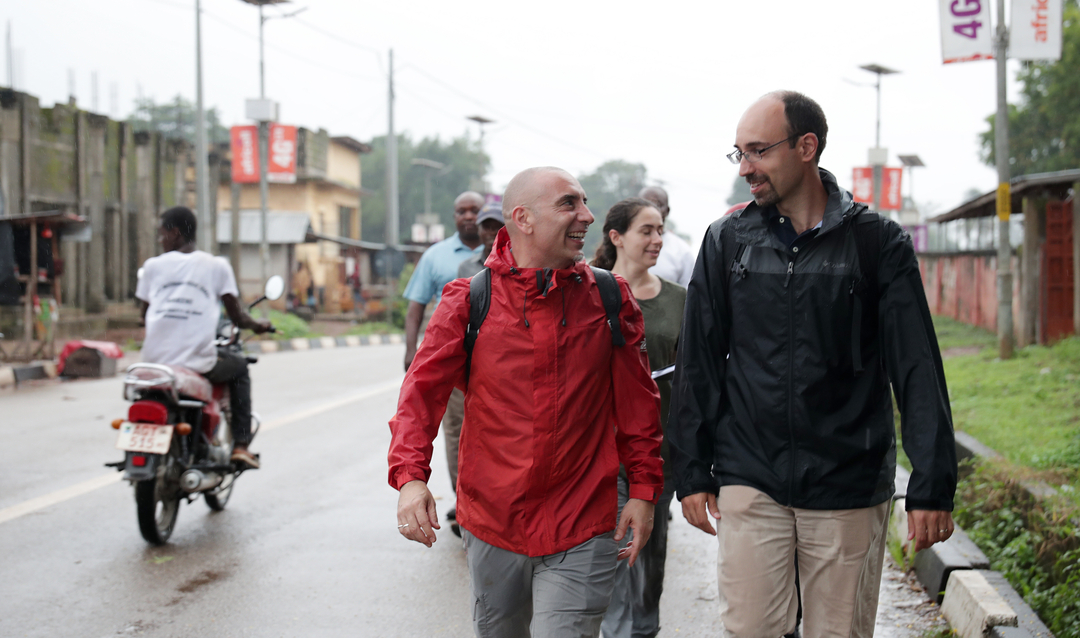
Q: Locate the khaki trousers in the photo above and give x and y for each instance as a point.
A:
(451, 423)
(840, 554)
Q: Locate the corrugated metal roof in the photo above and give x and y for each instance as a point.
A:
(283, 226)
(985, 205)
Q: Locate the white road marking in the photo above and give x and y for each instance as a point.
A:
(53, 498)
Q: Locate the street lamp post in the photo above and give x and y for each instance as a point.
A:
(878, 156)
(1004, 196)
(482, 121)
(209, 235)
(267, 114)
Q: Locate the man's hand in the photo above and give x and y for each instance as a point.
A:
(260, 326)
(697, 508)
(638, 516)
(928, 527)
(410, 354)
(416, 515)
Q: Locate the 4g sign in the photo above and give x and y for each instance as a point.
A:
(965, 30)
(245, 154)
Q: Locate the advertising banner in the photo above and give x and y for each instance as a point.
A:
(1035, 33)
(282, 169)
(890, 189)
(862, 189)
(245, 154)
(965, 30)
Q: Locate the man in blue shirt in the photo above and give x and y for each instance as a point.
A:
(437, 267)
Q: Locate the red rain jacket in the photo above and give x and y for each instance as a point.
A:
(551, 409)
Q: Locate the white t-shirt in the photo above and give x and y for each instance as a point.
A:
(184, 292)
(676, 260)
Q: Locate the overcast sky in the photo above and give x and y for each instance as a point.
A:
(570, 83)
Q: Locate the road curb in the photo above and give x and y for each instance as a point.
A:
(320, 343)
(973, 607)
(936, 568)
(14, 375)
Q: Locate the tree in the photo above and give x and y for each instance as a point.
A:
(176, 119)
(612, 181)
(740, 192)
(1044, 128)
(465, 164)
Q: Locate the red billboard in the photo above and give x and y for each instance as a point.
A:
(862, 188)
(890, 189)
(245, 154)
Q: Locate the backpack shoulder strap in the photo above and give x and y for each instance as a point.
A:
(611, 295)
(479, 303)
(733, 253)
(866, 226)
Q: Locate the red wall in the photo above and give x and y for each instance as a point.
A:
(964, 286)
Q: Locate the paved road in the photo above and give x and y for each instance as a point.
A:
(307, 546)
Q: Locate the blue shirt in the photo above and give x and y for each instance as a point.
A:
(437, 267)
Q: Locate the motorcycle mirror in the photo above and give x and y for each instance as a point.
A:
(275, 287)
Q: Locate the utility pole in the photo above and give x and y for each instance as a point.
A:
(1004, 196)
(208, 237)
(393, 234)
(10, 59)
(878, 156)
(264, 159)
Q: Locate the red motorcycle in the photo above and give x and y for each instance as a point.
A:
(176, 438)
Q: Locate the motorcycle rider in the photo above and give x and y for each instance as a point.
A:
(179, 291)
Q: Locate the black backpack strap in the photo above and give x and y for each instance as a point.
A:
(733, 251)
(866, 226)
(611, 295)
(479, 303)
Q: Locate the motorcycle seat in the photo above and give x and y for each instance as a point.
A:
(189, 384)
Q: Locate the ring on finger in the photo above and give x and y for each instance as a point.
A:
(943, 531)
(403, 526)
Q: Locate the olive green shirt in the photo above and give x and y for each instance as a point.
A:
(663, 320)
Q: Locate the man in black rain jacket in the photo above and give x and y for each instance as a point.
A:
(781, 415)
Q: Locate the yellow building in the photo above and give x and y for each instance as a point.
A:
(327, 196)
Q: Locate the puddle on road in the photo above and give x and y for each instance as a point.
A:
(201, 580)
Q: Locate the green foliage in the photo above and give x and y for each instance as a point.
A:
(1032, 543)
(177, 119)
(289, 326)
(466, 164)
(1026, 408)
(611, 182)
(400, 304)
(1044, 129)
(740, 192)
(955, 334)
(368, 328)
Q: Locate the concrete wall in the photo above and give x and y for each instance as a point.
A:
(67, 159)
(964, 286)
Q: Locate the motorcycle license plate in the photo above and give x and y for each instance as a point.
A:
(144, 437)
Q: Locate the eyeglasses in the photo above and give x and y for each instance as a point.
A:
(737, 156)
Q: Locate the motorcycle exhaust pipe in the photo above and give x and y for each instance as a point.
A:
(193, 481)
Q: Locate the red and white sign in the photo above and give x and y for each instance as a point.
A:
(890, 189)
(1035, 32)
(245, 153)
(862, 189)
(965, 30)
(282, 154)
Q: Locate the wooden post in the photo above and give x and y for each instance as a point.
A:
(94, 170)
(122, 246)
(31, 282)
(1029, 269)
(235, 246)
(1076, 259)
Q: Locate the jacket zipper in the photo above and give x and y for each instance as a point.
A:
(791, 375)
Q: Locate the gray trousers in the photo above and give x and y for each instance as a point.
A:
(451, 424)
(563, 595)
(634, 611)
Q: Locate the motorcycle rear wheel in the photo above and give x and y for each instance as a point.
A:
(217, 498)
(157, 502)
